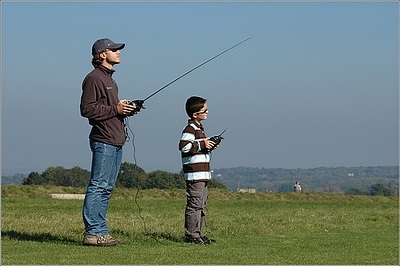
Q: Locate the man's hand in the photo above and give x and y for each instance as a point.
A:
(125, 109)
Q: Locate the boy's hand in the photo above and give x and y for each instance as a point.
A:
(209, 144)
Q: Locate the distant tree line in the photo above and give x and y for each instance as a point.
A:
(375, 190)
(379, 180)
(130, 176)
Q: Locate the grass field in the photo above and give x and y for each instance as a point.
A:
(250, 229)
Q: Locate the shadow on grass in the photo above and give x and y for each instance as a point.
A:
(165, 236)
(156, 236)
(38, 237)
(48, 237)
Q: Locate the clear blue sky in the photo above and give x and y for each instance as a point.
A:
(316, 85)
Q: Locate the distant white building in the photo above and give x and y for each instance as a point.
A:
(248, 190)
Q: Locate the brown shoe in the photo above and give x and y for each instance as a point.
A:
(99, 240)
(109, 237)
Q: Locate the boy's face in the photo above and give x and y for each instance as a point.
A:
(202, 114)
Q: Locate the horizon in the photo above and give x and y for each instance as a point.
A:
(11, 172)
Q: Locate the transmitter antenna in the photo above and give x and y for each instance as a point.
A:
(198, 66)
(139, 103)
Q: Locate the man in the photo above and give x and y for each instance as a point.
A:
(297, 187)
(106, 113)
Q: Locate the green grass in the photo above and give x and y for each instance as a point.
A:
(250, 229)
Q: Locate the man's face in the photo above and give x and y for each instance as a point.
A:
(111, 57)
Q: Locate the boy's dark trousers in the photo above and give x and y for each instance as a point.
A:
(195, 213)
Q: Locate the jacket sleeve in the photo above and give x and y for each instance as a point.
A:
(188, 144)
(94, 105)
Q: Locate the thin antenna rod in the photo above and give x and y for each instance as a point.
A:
(186, 73)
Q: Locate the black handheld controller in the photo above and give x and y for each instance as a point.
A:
(138, 106)
(216, 139)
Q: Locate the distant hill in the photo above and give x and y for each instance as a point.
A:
(322, 179)
(12, 179)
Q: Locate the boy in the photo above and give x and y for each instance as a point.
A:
(195, 150)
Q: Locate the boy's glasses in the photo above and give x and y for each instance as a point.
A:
(202, 112)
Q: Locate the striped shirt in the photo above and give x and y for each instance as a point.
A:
(195, 156)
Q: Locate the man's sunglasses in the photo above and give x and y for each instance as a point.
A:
(113, 50)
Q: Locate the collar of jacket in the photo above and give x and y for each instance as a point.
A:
(106, 70)
(196, 123)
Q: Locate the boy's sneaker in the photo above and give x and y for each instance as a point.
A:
(197, 240)
(99, 240)
(207, 240)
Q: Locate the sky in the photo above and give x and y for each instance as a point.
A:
(315, 86)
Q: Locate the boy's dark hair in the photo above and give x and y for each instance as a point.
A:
(194, 104)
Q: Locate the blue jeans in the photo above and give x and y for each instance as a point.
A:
(106, 161)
